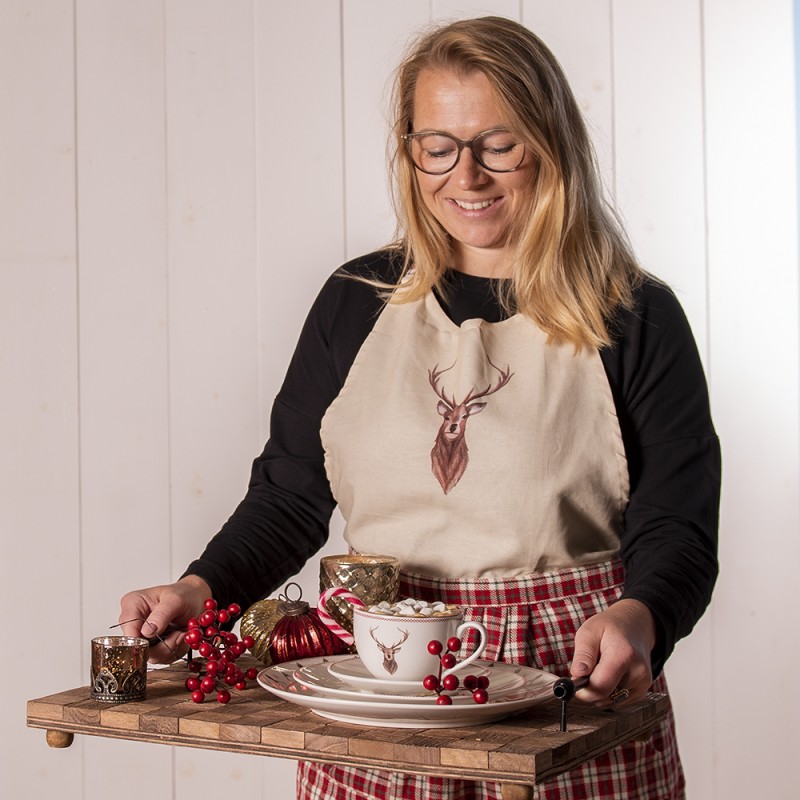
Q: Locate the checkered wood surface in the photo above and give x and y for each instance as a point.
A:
(526, 748)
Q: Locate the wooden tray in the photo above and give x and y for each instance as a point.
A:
(519, 751)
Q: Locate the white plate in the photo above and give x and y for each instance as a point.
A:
(536, 687)
(352, 670)
(321, 678)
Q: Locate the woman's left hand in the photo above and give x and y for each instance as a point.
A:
(614, 648)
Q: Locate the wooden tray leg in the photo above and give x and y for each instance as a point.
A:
(60, 738)
(516, 791)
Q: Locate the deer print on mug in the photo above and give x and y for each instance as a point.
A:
(450, 455)
(389, 650)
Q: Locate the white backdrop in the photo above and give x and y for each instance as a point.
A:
(161, 239)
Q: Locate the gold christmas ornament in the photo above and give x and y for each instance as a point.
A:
(258, 621)
(287, 628)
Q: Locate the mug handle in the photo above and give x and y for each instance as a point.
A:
(465, 626)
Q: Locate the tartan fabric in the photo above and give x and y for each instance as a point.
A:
(531, 620)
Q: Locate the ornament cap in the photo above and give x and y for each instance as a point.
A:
(293, 608)
(289, 607)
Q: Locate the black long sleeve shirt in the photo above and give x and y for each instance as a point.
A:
(669, 541)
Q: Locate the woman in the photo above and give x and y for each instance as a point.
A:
(577, 515)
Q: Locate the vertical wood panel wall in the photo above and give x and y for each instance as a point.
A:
(178, 178)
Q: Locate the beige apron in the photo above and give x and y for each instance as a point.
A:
(476, 450)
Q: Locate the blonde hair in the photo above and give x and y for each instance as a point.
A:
(572, 265)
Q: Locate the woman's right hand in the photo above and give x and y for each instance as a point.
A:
(150, 612)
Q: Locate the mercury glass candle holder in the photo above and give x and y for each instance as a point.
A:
(372, 578)
(119, 668)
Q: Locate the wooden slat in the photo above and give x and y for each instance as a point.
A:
(579, 34)
(39, 407)
(334, 739)
(122, 300)
(387, 744)
(752, 150)
(122, 284)
(213, 314)
(658, 120)
(374, 35)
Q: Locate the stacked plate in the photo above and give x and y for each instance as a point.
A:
(341, 688)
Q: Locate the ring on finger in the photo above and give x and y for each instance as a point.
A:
(619, 694)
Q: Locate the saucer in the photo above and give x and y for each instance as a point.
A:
(321, 677)
(352, 670)
(536, 687)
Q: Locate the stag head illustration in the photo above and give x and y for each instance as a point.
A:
(450, 455)
(389, 650)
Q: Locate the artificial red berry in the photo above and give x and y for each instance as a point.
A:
(223, 615)
(238, 649)
(252, 673)
(204, 649)
(444, 700)
(450, 682)
(195, 666)
(241, 685)
(207, 618)
(434, 647)
(483, 682)
(224, 696)
(480, 696)
(192, 684)
(210, 604)
(193, 637)
(198, 696)
(213, 668)
(193, 623)
(471, 683)
(234, 609)
(454, 644)
(448, 660)
(431, 683)
(207, 685)
(248, 641)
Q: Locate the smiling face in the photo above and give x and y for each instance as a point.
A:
(476, 207)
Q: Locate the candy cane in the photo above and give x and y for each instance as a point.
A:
(330, 622)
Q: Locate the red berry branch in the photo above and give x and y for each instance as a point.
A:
(438, 684)
(220, 649)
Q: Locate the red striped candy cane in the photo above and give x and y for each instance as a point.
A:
(330, 622)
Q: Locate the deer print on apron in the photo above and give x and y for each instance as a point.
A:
(450, 454)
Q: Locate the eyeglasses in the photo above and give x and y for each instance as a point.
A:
(435, 152)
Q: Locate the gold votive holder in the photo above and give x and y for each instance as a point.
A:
(119, 668)
(372, 578)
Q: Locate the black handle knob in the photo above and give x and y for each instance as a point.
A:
(565, 688)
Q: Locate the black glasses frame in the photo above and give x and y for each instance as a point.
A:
(408, 138)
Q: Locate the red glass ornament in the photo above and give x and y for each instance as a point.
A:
(300, 633)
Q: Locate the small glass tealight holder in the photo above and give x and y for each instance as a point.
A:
(119, 668)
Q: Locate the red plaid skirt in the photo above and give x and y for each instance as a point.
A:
(532, 621)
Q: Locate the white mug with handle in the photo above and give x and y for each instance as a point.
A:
(395, 648)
